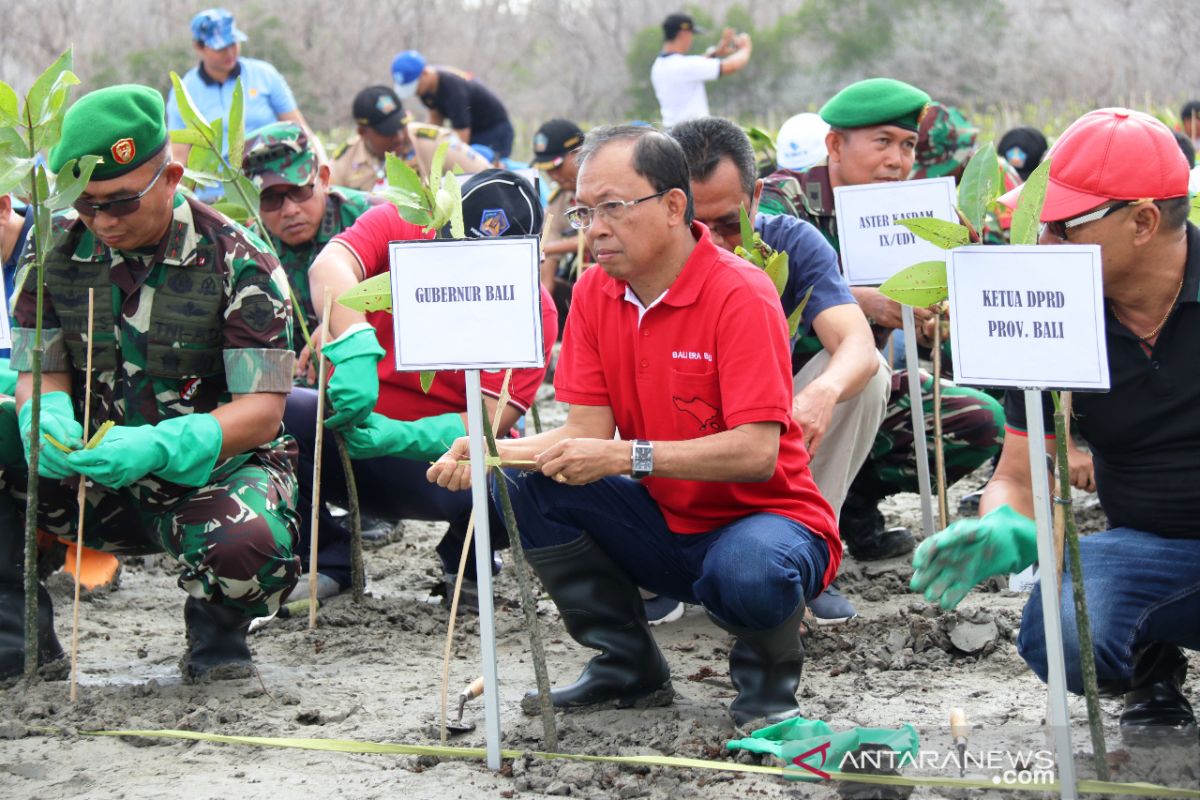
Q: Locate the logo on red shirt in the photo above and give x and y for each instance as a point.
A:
(704, 412)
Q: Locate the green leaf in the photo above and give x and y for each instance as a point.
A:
(401, 176)
(235, 211)
(920, 285)
(435, 167)
(10, 112)
(68, 185)
(980, 185)
(373, 294)
(1027, 217)
(1194, 214)
(202, 178)
(192, 117)
(427, 380)
(777, 270)
(444, 207)
(457, 229)
(237, 128)
(11, 142)
(188, 136)
(747, 228)
(13, 170)
(49, 88)
(938, 232)
(797, 317)
(46, 135)
(216, 132)
(243, 191)
(202, 159)
(417, 216)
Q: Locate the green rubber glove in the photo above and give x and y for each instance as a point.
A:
(182, 450)
(58, 420)
(421, 440)
(8, 378)
(354, 385)
(816, 744)
(948, 565)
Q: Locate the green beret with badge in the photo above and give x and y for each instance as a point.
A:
(124, 125)
(278, 154)
(876, 101)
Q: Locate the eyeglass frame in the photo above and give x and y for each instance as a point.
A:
(86, 208)
(306, 189)
(611, 205)
(1058, 228)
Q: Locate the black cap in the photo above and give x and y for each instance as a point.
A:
(1023, 148)
(378, 107)
(1190, 109)
(553, 141)
(674, 23)
(497, 202)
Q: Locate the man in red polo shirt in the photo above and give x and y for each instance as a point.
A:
(391, 427)
(682, 348)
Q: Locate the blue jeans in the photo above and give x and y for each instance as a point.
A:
(752, 573)
(1143, 594)
(498, 137)
(388, 487)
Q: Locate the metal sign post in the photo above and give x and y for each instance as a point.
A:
(912, 364)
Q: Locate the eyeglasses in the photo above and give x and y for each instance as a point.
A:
(582, 217)
(1059, 228)
(273, 201)
(120, 207)
(726, 227)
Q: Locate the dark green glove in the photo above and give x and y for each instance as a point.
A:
(183, 450)
(8, 378)
(58, 420)
(948, 565)
(421, 440)
(354, 385)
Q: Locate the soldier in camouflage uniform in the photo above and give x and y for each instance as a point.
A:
(299, 207)
(192, 360)
(864, 115)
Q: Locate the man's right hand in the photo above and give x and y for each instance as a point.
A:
(58, 421)
(949, 564)
(354, 385)
(453, 470)
(884, 311)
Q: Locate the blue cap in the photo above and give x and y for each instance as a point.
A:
(406, 71)
(215, 30)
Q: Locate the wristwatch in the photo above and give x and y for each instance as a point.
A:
(643, 459)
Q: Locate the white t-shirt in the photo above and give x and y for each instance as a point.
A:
(679, 84)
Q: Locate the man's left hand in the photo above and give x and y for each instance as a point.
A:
(813, 411)
(581, 461)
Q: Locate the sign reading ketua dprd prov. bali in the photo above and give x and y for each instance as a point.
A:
(1028, 317)
(467, 303)
(874, 245)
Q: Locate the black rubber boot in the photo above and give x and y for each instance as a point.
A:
(861, 526)
(12, 599)
(601, 608)
(1155, 706)
(765, 667)
(216, 642)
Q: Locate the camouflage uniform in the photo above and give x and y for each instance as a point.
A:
(972, 422)
(177, 332)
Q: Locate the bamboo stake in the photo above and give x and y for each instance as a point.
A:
(939, 453)
(458, 581)
(318, 454)
(1087, 656)
(81, 497)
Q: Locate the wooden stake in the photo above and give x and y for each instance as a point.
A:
(939, 453)
(81, 497)
(318, 453)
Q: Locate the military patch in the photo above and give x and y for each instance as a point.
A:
(385, 104)
(180, 282)
(1015, 156)
(427, 132)
(258, 311)
(208, 287)
(494, 222)
(540, 143)
(189, 389)
(123, 150)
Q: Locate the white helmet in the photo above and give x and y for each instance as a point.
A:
(801, 141)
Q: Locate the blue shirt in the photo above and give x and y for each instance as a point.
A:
(811, 262)
(265, 93)
(14, 260)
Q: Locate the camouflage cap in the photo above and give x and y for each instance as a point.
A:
(278, 154)
(125, 125)
(945, 141)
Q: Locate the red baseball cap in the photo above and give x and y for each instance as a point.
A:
(1113, 154)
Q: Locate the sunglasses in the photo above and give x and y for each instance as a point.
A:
(726, 227)
(273, 201)
(1059, 228)
(122, 206)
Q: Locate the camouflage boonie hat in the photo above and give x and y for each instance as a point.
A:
(278, 154)
(945, 141)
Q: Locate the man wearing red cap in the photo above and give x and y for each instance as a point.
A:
(1117, 179)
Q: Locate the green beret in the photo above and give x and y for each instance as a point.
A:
(876, 101)
(125, 125)
(278, 154)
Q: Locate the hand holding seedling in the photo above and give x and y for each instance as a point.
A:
(58, 424)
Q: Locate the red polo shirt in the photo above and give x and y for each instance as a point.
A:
(400, 395)
(711, 355)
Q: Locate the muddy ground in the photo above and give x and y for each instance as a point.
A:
(372, 672)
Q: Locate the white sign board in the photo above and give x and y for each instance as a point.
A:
(873, 246)
(1028, 317)
(466, 303)
(5, 325)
